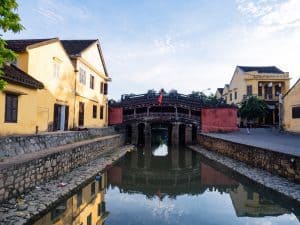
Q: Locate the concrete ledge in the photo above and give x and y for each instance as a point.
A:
(22, 144)
(264, 179)
(21, 173)
(281, 164)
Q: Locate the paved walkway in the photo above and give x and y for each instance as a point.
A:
(264, 138)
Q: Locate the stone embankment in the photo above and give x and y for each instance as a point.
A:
(18, 145)
(33, 204)
(261, 177)
(22, 172)
(278, 163)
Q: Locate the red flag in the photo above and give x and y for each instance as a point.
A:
(160, 97)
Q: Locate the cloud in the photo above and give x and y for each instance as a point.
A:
(57, 11)
(271, 15)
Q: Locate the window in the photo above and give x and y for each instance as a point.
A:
(250, 195)
(82, 76)
(11, 108)
(101, 87)
(277, 90)
(89, 219)
(56, 68)
(230, 97)
(235, 95)
(249, 90)
(296, 112)
(259, 89)
(100, 183)
(94, 111)
(58, 210)
(101, 112)
(105, 89)
(92, 81)
(99, 210)
(93, 188)
(79, 198)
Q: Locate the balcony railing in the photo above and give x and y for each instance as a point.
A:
(162, 116)
(265, 97)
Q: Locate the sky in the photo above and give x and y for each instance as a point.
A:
(187, 45)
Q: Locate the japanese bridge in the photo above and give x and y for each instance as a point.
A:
(178, 113)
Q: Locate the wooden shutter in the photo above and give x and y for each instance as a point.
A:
(67, 117)
(105, 88)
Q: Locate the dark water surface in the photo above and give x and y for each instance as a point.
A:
(162, 185)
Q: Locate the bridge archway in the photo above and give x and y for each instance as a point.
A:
(128, 133)
(182, 133)
(141, 134)
(194, 133)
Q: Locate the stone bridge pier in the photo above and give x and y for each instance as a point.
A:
(179, 133)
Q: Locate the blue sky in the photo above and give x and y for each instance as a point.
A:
(185, 45)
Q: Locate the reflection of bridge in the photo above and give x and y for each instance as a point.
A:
(180, 172)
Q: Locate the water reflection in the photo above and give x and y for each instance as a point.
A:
(180, 187)
(86, 207)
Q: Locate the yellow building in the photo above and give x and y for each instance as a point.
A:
(47, 61)
(91, 82)
(266, 83)
(86, 207)
(291, 109)
(20, 92)
(75, 85)
(252, 204)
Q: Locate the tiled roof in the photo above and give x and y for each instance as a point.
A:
(261, 69)
(75, 47)
(13, 74)
(220, 90)
(21, 45)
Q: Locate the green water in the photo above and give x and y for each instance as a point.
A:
(162, 185)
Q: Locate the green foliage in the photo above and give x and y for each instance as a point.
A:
(253, 108)
(9, 21)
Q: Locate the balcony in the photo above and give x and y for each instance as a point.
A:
(269, 97)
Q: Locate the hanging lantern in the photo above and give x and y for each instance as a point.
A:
(270, 84)
(279, 85)
(260, 84)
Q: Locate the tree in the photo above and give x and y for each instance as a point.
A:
(253, 108)
(9, 21)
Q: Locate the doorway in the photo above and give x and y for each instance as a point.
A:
(81, 114)
(61, 117)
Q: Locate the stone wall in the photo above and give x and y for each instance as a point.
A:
(28, 172)
(17, 145)
(281, 164)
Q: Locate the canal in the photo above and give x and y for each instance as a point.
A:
(158, 184)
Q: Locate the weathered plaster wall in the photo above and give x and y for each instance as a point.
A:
(115, 115)
(219, 120)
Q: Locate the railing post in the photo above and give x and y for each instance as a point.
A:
(134, 113)
(176, 113)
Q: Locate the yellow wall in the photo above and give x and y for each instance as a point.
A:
(290, 100)
(90, 61)
(26, 118)
(59, 90)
